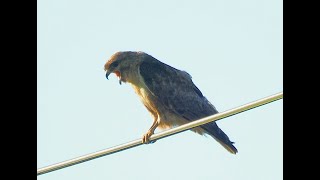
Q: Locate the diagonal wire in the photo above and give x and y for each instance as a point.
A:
(161, 135)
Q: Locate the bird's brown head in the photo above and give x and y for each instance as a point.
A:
(121, 64)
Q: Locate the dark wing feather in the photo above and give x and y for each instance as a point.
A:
(175, 90)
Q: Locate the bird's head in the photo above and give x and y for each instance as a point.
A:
(121, 64)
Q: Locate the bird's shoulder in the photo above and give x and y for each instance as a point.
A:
(175, 90)
(154, 70)
(161, 77)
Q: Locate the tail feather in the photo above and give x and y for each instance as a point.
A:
(213, 130)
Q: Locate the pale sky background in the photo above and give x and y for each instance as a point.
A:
(232, 49)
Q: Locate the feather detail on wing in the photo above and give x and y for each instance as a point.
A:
(175, 90)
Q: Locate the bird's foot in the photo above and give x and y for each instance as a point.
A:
(146, 138)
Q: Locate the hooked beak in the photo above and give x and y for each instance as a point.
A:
(107, 74)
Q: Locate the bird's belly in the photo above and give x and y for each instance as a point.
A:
(170, 120)
(166, 118)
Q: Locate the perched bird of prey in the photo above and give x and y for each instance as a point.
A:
(168, 93)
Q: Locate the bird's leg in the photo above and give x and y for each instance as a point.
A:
(146, 136)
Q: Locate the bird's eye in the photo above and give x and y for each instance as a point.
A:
(115, 64)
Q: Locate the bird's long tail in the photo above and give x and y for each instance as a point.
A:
(213, 130)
